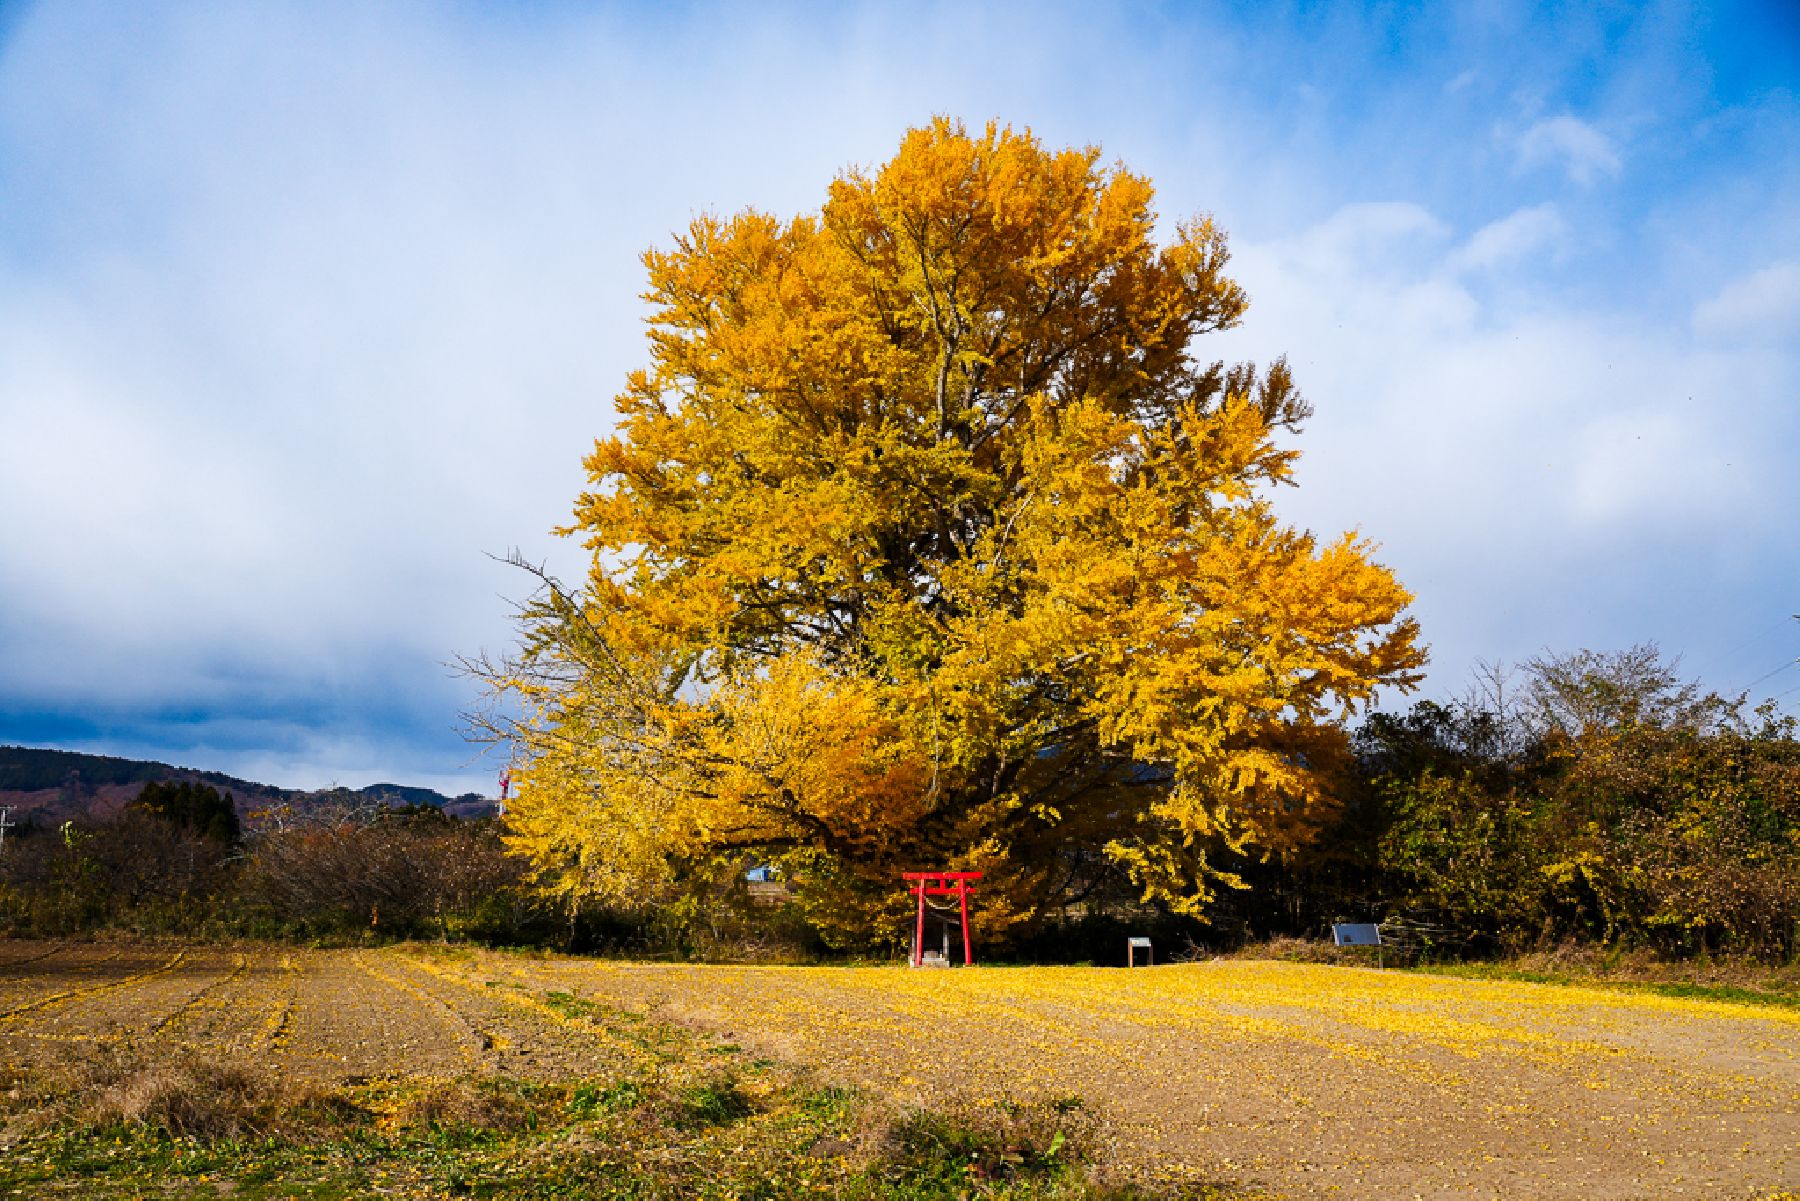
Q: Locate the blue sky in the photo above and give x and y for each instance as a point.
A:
(308, 309)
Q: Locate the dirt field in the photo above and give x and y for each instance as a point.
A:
(1315, 1081)
(332, 1016)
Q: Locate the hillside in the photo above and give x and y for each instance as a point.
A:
(50, 786)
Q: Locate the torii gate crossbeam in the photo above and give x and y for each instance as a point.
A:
(940, 884)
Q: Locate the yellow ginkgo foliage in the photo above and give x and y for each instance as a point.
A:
(926, 541)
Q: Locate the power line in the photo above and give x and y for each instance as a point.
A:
(1767, 674)
(1778, 624)
(1777, 671)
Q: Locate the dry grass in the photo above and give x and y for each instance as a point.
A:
(204, 1101)
(183, 1096)
(1566, 963)
(996, 1141)
(1642, 967)
(1301, 950)
(481, 1105)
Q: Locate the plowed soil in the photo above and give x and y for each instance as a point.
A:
(331, 1016)
(1313, 1081)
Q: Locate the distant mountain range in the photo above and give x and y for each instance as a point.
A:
(41, 785)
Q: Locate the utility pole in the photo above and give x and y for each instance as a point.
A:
(6, 823)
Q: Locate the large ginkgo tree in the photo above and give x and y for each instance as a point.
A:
(928, 539)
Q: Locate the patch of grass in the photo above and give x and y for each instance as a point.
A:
(1735, 994)
(570, 1006)
(1003, 1144)
(1738, 981)
(1724, 992)
(718, 1102)
(589, 1099)
(664, 1043)
(829, 1103)
(503, 1138)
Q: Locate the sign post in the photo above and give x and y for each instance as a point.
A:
(1358, 934)
(1133, 946)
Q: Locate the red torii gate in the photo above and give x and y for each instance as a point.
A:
(940, 884)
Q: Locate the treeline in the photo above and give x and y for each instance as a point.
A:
(29, 769)
(177, 861)
(1588, 797)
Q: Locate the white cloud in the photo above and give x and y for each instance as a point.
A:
(1764, 305)
(1520, 466)
(301, 312)
(1657, 462)
(1513, 237)
(1580, 149)
(1391, 234)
